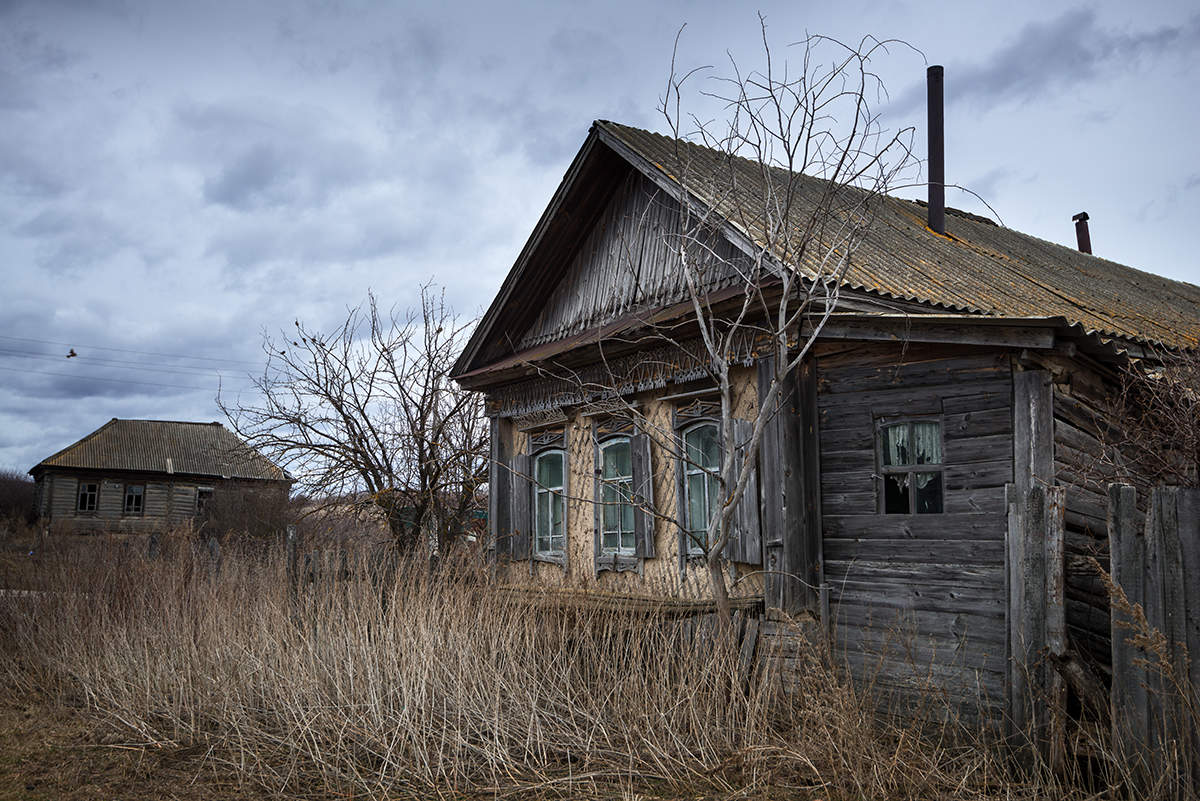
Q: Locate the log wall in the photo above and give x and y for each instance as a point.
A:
(918, 598)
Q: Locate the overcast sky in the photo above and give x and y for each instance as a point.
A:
(176, 178)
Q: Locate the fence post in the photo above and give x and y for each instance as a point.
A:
(1036, 620)
(152, 546)
(214, 556)
(292, 568)
(1127, 568)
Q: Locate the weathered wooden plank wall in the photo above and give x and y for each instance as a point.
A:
(918, 597)
(627, 261)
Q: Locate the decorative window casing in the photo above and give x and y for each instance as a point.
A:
(135, 499)
(89, 492)
(701, 469)
(911, 468)
(549, 507)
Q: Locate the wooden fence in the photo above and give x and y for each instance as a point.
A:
(1154, 584)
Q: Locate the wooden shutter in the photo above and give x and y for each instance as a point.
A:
(499, 491)
(745, 541)
(522, 507)
(643, 495)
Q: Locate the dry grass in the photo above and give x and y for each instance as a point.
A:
(437, 685)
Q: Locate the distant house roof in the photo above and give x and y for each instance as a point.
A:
(978, 268)
(165, 446)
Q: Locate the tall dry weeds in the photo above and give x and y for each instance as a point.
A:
(435, 683)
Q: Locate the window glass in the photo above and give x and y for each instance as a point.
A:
(87, 497)
(902, 448)
(134, 498)
(701, 481)
(549, 505)
(895, 444)
(616, 497)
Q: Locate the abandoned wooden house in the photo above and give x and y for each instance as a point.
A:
(136, 476)
(958, 367)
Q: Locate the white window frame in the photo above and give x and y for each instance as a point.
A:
(692, 469)
(556, 493)
(625, 487)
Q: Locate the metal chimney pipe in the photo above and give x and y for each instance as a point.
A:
(937, 151)
(1081, 232)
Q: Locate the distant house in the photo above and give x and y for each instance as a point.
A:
(145, 475)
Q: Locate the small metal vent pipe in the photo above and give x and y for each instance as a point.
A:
(937, 150)
(1082, 236)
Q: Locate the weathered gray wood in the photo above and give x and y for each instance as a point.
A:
(152, 546)
(1033, 429)
(1056, 625)
(499, 486)
(214, 557)
(931, 551)
(970, 526)
(291, 546)
(810, 540)
(745, 542)
(747, 649)
(1130, 703)
(521, 511)
(643, 495)
(1188, 515)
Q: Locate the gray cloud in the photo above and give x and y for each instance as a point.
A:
(1066, 52)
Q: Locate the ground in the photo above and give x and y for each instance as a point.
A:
(50, 751)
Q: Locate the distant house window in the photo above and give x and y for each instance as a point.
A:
(134, 498)
(701, 483)
(204, 497)
(549, 508)
(87, 497)
(911, 465)
(616, 497)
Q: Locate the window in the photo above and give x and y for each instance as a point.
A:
(204, 496)
(911, 463)
(701, 484)
(616, 497)
(134, 498)
(549, 508)
(87, 497)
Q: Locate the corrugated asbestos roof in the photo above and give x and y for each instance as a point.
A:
(164, 446)
(980, 267)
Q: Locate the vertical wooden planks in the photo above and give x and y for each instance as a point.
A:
(1033, 429)
(810, 552)
(1127, 556)
(499, 492)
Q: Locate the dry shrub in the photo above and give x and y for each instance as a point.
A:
(420, 682)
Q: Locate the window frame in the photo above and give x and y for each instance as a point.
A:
(203, 505)
(141, 496)
(885, 470)
(601, 482)
(94, 494)
(688, 469)
(537, 489)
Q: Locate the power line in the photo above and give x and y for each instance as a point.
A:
(128, 350)
(106, 380)
(122, 364)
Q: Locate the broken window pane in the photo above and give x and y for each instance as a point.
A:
(896, 494)
(929, 492)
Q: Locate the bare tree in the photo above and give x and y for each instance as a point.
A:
(367, 414)
(1150, 433)
(791, 176)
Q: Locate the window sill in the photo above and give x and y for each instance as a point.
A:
(551, 557)
(618, 562)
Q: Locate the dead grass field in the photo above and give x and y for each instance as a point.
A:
(124, 677)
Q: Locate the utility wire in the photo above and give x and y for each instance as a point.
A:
(138, 352)
(181, 369)
(106, 380)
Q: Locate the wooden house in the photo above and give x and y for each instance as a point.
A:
(958, 368)
(137, 476)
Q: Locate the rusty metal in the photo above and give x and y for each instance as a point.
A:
(1082, 236)
(937, 149)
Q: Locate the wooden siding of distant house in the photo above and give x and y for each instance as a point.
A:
(918, 597)
(165, 503)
